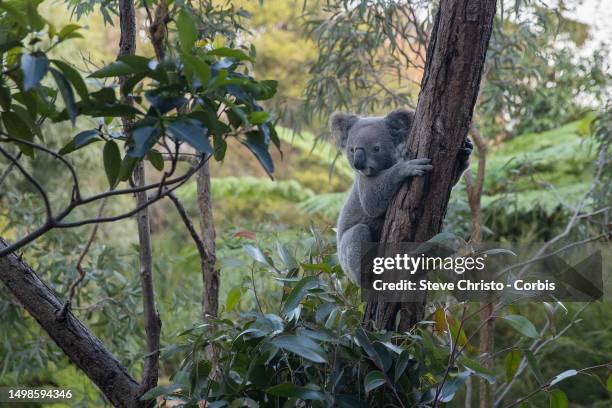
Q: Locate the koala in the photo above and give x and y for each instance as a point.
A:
(376, 150)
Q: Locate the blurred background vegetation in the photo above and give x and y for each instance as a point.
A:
(541, 97)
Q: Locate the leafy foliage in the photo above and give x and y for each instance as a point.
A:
(202, 94)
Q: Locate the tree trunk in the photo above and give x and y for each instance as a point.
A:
(81, 346)
(210, 275)
(455, 61)
(152, 322)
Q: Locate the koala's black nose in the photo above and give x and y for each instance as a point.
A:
(359, 160)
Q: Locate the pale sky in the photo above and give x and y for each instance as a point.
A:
(597, 14)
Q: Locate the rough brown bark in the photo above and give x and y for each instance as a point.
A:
(84, 349)
(455, 61)
(485, 336)
(210, 275)
(152, 322)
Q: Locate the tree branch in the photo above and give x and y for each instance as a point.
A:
(84, 349)
(449, 88)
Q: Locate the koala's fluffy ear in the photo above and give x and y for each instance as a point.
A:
(340, 123)
(399, 122)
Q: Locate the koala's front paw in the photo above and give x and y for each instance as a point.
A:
(465, 152)
(416, 167)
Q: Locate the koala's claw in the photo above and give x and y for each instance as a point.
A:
(416, 167)
(418, 162)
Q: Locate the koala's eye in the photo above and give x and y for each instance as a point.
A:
(376, 149)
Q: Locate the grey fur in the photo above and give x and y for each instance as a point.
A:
(375, 149)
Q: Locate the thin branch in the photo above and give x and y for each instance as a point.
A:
(548, 384)
(9, 169)
(79, 267)
(189, 225)
(32, 180)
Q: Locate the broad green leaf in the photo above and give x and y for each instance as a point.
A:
(522, 325)
(298, 292)
(302, 346)
(512, 362)
(115, 69)
(81, 139)
(187, 30)
(401, 364)
(157, 391)
(255, 143)
(194, 65)
(609, 383)
(290, 390)
(257, 118)
(34, 68)
(16, 127)
(138, 62)
(143, 138)
(257, 254)
(230, 53)
(127, 167)
(478, 369)
(112, 162)
(193, 132)
(532, 363)
(156, 159)
(557, 399)
(373, 380)
(562, 376)
(69, 31)
(66, 92)
(74, 77)
(233, 298)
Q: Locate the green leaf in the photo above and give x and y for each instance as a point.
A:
(143, 138)
(157, 391)
(290, 390)
(373, 380)
(257, 118)
(302, 346)
(138, 62)
(127, 167)
(257, 254)
(34, 68)
(187, 30)
(66, 92)
(230, 53)
(478, 369)
(115, 69)
(512, 362)
(557, 399)
(562, 376)
(16, 127)
(194, 65)
(233, 298)
(156, 159)
(193, 132)
(522, 325)
(401, 364)
(74, 77)
(609, 383)
(112, 162)
(68, 31)
(81, 139)
(255, 143)
(532, 363)
(299, 291)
